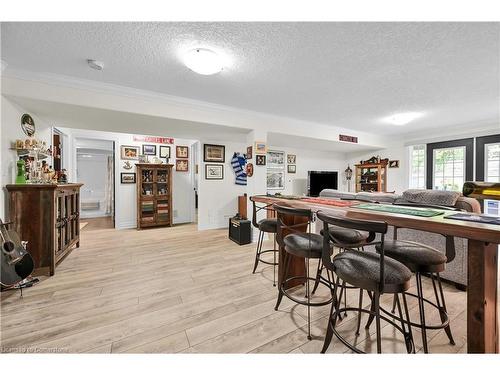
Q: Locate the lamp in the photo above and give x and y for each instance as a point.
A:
(348, 176)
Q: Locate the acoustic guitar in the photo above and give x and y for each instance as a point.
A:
(15, 262)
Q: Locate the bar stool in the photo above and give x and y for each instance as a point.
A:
(368, 271)
(343, 239)
(422, 259)
(303, 245)
(267, 225)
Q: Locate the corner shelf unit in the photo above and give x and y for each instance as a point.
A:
(154, 195)
(371, 177)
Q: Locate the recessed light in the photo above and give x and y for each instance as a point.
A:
(94, 64)
(402, 118)
(203, 61)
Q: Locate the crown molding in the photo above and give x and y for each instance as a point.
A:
(186, 103)
(475, 129)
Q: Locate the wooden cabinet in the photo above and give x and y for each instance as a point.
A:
(154, 195)
(48, 217)
(371, 177)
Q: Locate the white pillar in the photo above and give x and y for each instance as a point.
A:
(256, 185)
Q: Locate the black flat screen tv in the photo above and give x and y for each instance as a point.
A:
(319, 180)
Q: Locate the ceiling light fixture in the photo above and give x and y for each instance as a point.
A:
(203, 61)
(402, 118)
(94, 64)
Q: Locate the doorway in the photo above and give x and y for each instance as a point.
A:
(95, 168)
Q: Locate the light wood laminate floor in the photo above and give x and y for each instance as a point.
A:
(172, 290)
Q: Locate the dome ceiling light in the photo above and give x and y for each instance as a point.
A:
(203, 61)
(403, 118)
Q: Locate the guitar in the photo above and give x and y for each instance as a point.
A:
(16, 264)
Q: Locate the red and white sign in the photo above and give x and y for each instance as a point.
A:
(162, 140)
(348, 138)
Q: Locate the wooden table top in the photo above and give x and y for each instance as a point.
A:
(436, 224)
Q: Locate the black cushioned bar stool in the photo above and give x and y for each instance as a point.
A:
(422, 259)
(303, 245)
(369, 271)
(267, 225)
(343, 239)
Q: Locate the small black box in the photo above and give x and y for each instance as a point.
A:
(240, 231)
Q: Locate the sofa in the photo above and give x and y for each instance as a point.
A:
(456, 270)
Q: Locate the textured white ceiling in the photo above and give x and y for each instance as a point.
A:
(344, 74)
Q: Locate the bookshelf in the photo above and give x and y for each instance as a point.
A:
(154, 195)
(371, 177)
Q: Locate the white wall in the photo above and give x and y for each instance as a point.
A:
(310, 160)
(125, 196)
(11, 130)
(397, 178)
(218, 199)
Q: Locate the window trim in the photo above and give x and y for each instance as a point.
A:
(469, 158)
(410, 160)
(481, 142)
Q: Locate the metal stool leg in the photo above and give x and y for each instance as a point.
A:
(443, 313)
(372, 316)
(422, 311)
(360, 307)
(286, 262)
(308, 302)
(410, 333)
(393, 310)
(376, 305)
(257, 254)
(274, 261)
(318, 276)
(332, 319)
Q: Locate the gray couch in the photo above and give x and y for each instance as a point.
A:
(456, 270)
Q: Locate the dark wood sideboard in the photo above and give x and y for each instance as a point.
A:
(48, 217)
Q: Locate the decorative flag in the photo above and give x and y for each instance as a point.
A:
(238, 162)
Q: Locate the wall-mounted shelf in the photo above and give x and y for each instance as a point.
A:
(31, 151)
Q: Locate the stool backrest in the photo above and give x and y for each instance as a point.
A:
(371, 226)
(283, 213)
(258, 206)
(450, 240)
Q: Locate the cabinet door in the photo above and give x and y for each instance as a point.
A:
(60, 208)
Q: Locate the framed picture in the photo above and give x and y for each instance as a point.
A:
(149, 149)
(276, 158)
(129, 152)
(292, 168)
(275, 179)
(28, 125)
(249, 169)
(249, 155)
(127, 178)
(181, 165)
(182, 152)
(393, 163)
(291, 159)
(260, 159)
(143, 159)
(214, 171)
(214, 153)
(260, 148)
(164, 151)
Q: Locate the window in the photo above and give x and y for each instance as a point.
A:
(449, 164)
(492, 165)
(449, 168)
(417, 167)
